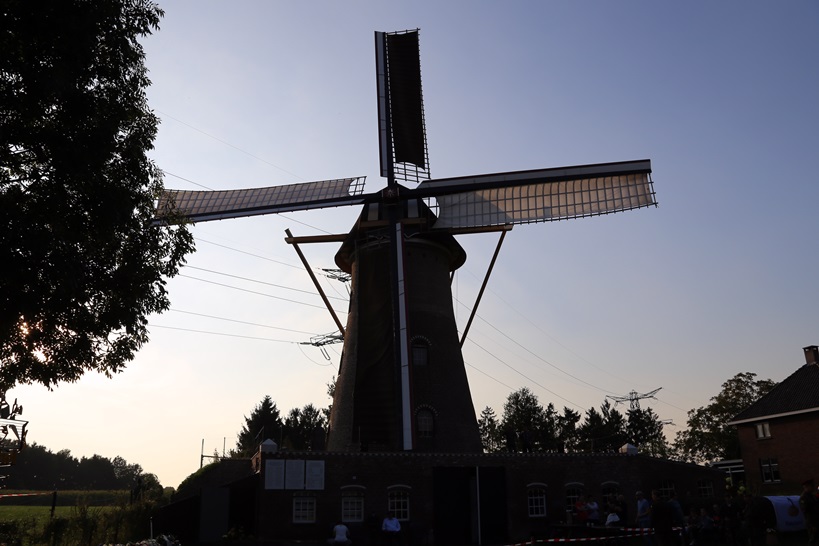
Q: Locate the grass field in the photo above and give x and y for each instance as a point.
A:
(83, 523)
(40, 513)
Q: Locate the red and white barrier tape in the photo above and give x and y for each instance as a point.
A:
(632, 532)
(24, 494)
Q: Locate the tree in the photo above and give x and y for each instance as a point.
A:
(490, 431)
(96, 472)
(264, 422)
(523, 415)
(709, 437)
(567, 433)
(592, 432)
(645, 431)
(304, 429)
(127, 474)
(614, 428)
(82, 266)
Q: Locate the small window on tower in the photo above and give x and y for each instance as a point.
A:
(420, 353)
(425, 422)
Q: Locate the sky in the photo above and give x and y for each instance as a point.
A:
(719, 279)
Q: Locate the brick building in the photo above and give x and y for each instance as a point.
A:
(439, 498)
(779, 433)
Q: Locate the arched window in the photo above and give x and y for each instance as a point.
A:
(574, 491)
(352, 503)
(425, 423)
(536, 500)
(609, 490)
(420, 352)
(398, 502)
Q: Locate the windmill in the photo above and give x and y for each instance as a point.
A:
(402, 384)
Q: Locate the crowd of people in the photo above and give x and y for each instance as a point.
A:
(389, 535)
(744, 520)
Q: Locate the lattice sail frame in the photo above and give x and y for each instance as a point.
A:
(404, 154)
(545, 202)
(201, 206)
(523, 197)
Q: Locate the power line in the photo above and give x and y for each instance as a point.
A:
(220, 334)
(255, 292)
(228, 144)
(561, 370)
(187, 180)
(525, 376)
(241, 322)
(256, 281)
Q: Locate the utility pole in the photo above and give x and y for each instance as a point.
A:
(634, 397)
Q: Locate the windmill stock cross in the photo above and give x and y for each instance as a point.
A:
(401, 382)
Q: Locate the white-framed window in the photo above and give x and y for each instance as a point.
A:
(536, 500)
(705, 489)
(609, 490)
(763, 430)
(304, 509)
(352, 505)
(398, 502)
(770, 470)
(574, 491)
(425, 423)
(666, 489)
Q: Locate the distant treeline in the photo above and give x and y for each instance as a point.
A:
(38, 468)
(65, 498)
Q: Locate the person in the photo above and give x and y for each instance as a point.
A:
(621, 507)
(391, 528)
(643, 511)
(677, 514)
(592, 512)
(730, 520)
(581, 511)
(707, 528)
(662, 520)
(341, 535)
(809, 505)
(759, 517)
(613, 511)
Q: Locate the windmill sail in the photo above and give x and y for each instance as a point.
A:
(201, 206)
(525, 197)
(402, 133)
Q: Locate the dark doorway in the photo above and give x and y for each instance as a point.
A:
(469, 505)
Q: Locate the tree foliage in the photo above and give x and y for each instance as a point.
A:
(527, 426)
(82, 267)
(603, 430)
(39, 468)
(644, 430)
(489, 430)
(264, 422)
(709, 437)
(304, 429)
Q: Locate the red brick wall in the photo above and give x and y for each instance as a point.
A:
(794, 443)
(377, 471)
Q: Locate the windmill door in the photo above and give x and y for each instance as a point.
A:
(469, 505)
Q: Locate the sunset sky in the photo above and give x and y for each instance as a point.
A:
(721, 278)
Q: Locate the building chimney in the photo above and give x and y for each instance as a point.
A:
(811, 354)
